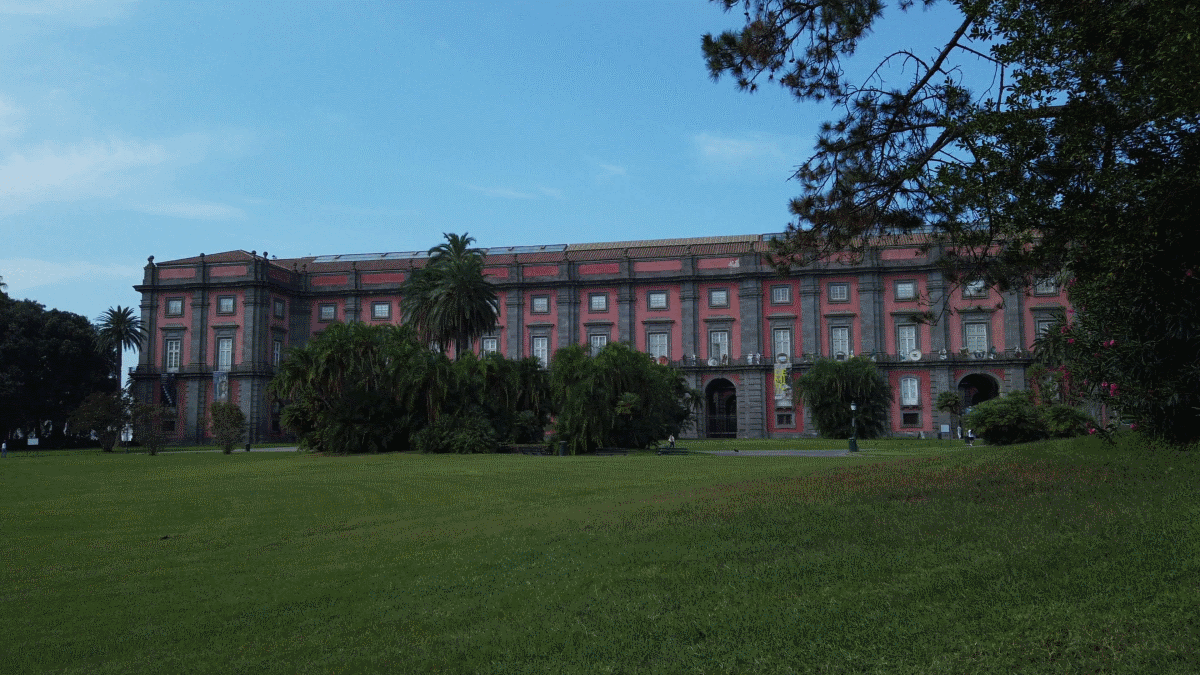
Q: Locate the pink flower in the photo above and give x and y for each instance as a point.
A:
(1070, 341)
(1133, 426)
(1104, 385)
(1091, 430)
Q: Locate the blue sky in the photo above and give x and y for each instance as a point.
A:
(134, 128)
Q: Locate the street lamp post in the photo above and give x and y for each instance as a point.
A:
(853, 427)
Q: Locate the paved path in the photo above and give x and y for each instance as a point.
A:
(784, 453)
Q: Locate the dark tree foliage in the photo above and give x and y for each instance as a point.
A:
(449, 301)
(149, 428)
(360, 388)
(104, 415)
(828, 388)
(50, 362)
(228, 424)
(619, 398)
(1079, 158)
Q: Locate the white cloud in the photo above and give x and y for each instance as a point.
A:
(741, 152)
(23, 274)
(505, 193)
(133, 173)
(80, 12)
(12, 121)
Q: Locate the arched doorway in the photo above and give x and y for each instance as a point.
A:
(720, 407)
(977, 388)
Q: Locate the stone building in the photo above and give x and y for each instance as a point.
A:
(220, 324)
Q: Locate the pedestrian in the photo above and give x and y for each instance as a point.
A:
(3, 449)
(671, 441)
(970, 438)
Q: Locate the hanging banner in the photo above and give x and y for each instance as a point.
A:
(783, 385)
(220, 385)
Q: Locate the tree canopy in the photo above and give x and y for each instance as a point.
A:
(829, 387)
(449, 301)
(1079, 159)
(120, 329)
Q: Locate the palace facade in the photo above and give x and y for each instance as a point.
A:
(219, 325)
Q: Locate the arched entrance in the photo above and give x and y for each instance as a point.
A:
(977, 388)
(720, 408)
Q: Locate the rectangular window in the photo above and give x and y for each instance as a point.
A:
(909, 391)
(1043, 326)
(327, 312)
(839, 342)
(656, 300)
(381, 310)
(598, 342)
(280, 309)
(784, 419)
(276, 352)
(783, 344)
(781, 295)
(657, 345)
(491, 345)
(540, 304)
(718, 297)
(598, 302)
(910, 419)
(225, 304)
(541, 350)
(839, 292)
(174, 306)
(975, 336)
(718, 345)
(906, 290)
(906, 340)
(174, 349)
(224, 353)
(1047, 286)
(975, 289)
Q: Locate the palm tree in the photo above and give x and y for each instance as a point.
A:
(449, 300)
(120, 329)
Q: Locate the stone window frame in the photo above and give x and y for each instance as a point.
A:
(593, 339)
(279, 308)
(1046, 286)
(977, 320)
(712, 297)
(332, 307)
(376, 306)
(975, 289)
(540, 334)
(839, 297)
(658, 330)
(722, 359)
(221, 300)
(911, 297)
(849, 328)
(176, 338)
(666, 300)
(483, 344)
(916, 328)
(776, 328)
(171, 301)
(916, 391)
(598, 302)
(535, 300)
(783, 290)
(785, 419)
(907, 415)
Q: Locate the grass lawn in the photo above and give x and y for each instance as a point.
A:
(915, 557)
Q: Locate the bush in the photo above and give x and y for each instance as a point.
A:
(828, 388)
(462, 434)
(1012, 418)
(1063, 421)
(148, 420)
(228, 424)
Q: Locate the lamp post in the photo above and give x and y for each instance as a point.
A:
(853, 427)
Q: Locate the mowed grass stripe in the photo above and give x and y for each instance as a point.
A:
(1057, 557)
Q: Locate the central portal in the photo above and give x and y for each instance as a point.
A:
(720, 405)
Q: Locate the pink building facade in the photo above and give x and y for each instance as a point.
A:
(713, 307)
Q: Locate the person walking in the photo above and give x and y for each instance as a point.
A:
(671, 441)
(3, 449)
(970, 438)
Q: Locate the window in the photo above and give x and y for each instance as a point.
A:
(657, 345)
(975, 336)
(491, 345)
(718, 297)
(224, 353)
(174, 349)
(839, 342)
(381, 310)
(718, 345)
(174, 306)
(1043, 326)
(975, 289)
(656, 300)
(1047, 286)
(225, 304)
(781, 295)
(783, 344)
(280, 309)
(540, 304)
(839, 292)
(276, 352)
(598, 342)
(906, 340)
(910, 419)
(784, 419)
(541, 349)
(906, 290)
(327, 312)
(909, 391)
(598, 302)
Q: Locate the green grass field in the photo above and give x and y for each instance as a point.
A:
(917, 557)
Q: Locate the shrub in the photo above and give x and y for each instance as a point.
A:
(228, 424)
(1063, 421)
(1012, 418)
(828, 388)
(462, 434)
(148, 420)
